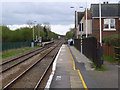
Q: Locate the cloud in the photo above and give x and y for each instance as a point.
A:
(43, 0)
(57, 12)
(54, 13)
(14, 27)
(61, 29)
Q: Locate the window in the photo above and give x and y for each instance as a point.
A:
(106, 23)
(109, 24)
(80, 27)
(112, 23)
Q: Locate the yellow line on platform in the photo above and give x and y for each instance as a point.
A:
(72, 60)
(80, 75)
(83, 82)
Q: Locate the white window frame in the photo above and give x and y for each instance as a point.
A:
(109, 28)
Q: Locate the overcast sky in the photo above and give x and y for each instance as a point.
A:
(16, 13)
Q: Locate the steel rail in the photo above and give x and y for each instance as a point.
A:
(20, 62)
(42, 49)
(20, 56)
(29, 68)
(23, 55)
(38, 83)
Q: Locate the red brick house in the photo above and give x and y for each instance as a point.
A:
(109, 18)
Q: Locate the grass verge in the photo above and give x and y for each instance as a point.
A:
(93, 65)
(99, 69)
(16, 51)
(109, 59)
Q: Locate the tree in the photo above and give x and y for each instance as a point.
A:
(70, 34)
(45, 31)
(6, 34)
(47, 25)
(25, 34)
(30, 23)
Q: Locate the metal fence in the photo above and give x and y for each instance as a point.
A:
(15, 45)
(91, 49)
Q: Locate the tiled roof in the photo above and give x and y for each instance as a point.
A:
(79, 16)
(107, 10)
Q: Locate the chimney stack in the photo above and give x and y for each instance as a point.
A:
(105, 2)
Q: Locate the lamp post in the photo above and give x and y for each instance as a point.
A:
(33, 35)
(76, 20)
(39, 38)
(75, 23)
(77, 26)
(81, 32)
(38, 31)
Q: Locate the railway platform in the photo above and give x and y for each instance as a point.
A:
(73, 70)
(64, 74)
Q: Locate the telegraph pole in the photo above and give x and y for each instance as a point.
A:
(100, 22)
(100, 32)
(86, 19)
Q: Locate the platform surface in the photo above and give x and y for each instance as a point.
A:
(65, 76)
(96, 79)
(73, 70)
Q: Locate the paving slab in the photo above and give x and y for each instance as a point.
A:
(93, 78)
(65, 76)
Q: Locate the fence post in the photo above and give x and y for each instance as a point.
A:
(99, 61)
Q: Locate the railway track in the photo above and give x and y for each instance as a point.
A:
(6, 65)
(12, 58)
(34, 74)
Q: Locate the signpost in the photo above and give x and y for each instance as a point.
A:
(81, 37)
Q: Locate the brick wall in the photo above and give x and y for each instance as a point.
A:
(95, 28)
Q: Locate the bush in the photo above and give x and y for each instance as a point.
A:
(112, 40)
